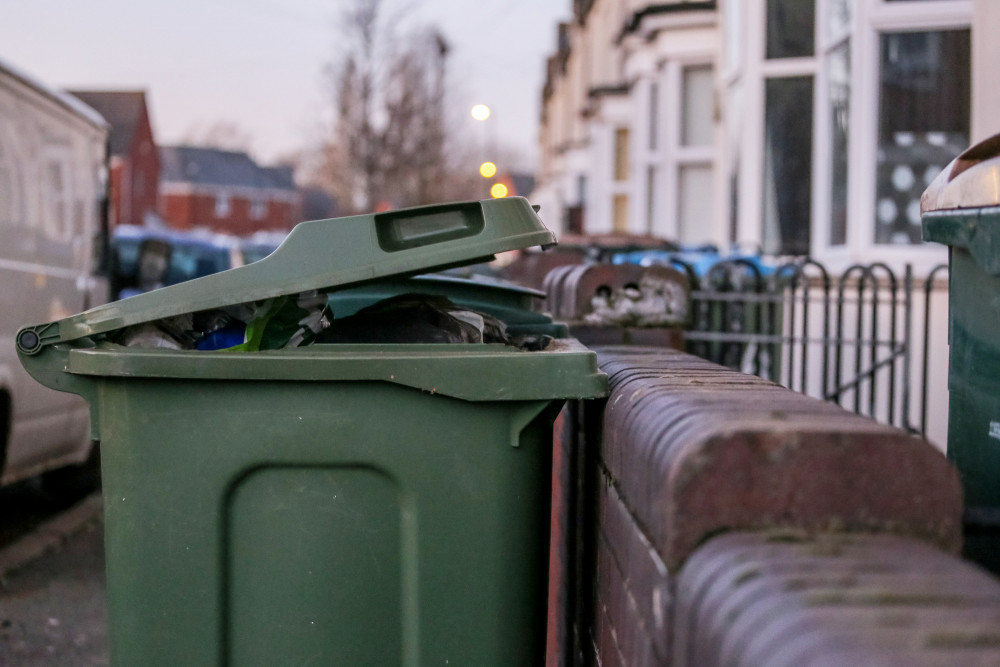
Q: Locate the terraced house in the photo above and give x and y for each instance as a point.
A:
(226, 192)
(803, 127)
(793, 128)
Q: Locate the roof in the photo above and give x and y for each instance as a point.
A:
(123, 109)
(211, 166)
(66, 101)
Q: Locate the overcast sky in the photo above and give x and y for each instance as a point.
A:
(260, 63)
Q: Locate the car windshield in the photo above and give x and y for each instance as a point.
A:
(189, 261)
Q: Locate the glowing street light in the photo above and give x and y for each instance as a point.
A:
(480, 112)
(498, 191)
(487, 170)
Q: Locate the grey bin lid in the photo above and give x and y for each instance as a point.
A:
(972, 180)
(324, 255)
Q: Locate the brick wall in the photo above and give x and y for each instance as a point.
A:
(687, 457)
(144, 172)
(188, 210)
(785, 599)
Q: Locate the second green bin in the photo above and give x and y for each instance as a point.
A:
(331, 504)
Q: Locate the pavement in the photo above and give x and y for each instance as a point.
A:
(52, 601)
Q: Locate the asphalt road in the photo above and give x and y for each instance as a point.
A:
(52, 602)
(26, 505)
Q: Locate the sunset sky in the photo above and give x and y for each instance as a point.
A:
(260, 64)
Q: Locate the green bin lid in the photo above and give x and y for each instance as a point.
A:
(972, 180)
(324, 255)
(961, 207)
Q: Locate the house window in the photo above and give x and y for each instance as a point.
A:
(790, 28)
(862, 103)
(654, 94)
(838, 17)
(222, 205)
(787, 164)
(619, 199)
(695, 202)
(733, 34)
(258, 208)
(839, 93)
(695, 154)
(650, 198)
(697, 112)
(619, 213)
(734, 138)
(923, 122)
(621, 154)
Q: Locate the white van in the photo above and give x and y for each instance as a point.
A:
(52, 190)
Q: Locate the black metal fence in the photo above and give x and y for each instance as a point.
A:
(851, 338)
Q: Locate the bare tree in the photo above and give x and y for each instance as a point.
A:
(389, 145)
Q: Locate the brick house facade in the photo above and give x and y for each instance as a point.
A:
(225, 191)
(134, 161)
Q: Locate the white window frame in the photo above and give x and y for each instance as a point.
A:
(258, 207)
(623, 187)
(733, 71)
(680, 156)
(823, 134)
(615, 112)
(869, 20)
(223, 205)
(650, 194)
(670, 156)
(753, 71)
(749, 69)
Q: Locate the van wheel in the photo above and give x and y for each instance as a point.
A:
(75, 481)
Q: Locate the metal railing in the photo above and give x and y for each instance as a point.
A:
(847, 339)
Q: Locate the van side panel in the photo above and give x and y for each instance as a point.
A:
(51, 162)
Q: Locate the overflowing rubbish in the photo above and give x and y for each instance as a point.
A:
(306, 318)
(271, 324)
(424, 318)
(657, 301)
(619, 295)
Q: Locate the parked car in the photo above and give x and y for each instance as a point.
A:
(143, 259)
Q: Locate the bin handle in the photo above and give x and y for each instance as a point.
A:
(30, 340)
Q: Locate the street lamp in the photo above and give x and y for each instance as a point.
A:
(487, 170)
(480, 112)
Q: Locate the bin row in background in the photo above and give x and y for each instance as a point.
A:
(620, 303)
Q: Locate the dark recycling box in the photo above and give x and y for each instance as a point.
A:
(961, 209)
(334, 504)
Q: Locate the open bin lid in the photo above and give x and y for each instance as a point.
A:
(324, 255)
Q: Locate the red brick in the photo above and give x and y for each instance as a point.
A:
(696, 449)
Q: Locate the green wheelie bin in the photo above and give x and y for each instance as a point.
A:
(333, 503)
(961, 208)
